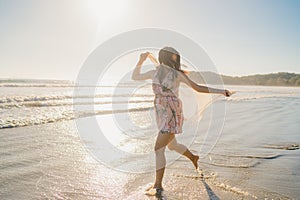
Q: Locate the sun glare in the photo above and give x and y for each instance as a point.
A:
(106, 12)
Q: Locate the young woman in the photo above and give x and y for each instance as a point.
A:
(169, 116)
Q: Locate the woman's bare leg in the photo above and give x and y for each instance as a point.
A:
(180, 148)
(160, 146)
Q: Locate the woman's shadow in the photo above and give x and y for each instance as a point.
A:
(210, 192)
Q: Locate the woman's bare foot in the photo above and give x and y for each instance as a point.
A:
(195, 161)
(153, 190)
(157, 186)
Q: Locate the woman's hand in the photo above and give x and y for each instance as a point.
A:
(227, 93)
(136, 74)
(144, 56)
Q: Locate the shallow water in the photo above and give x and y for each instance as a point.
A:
(256, 155)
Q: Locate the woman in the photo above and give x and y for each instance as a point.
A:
(169, 116)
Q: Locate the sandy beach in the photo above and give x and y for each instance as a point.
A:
(255, 157)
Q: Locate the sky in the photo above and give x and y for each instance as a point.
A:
(52, 39)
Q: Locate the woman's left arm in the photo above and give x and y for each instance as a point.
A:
(137, 75)
(204, 89)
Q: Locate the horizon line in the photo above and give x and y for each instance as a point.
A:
(14, 78)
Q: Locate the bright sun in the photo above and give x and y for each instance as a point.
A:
(107, 12)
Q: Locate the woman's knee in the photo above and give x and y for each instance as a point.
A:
(162, 141)
(159, 147)
(172, 146)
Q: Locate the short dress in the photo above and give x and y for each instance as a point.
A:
(167, 105)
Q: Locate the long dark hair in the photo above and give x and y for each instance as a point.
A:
(165, 57)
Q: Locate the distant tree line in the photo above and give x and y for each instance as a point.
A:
(273, 79)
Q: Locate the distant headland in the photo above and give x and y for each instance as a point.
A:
(271, 79)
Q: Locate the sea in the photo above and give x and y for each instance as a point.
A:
(60, 141)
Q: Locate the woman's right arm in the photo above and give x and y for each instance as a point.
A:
(136, 74)
(200, 88)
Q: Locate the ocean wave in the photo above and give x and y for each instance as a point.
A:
(283, 146)
(213, 178)
(259, 156)
(236, 165)
(52, 117)
(237, 98)
(34, 85)
(234, 161)
(17, 99)
(65, 85)
(237, 161)
(233, 189)
(201, 175)
(62, 103)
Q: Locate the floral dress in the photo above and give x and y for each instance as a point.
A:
(168, 106)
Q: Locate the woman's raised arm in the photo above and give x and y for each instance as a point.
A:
(137, 75)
